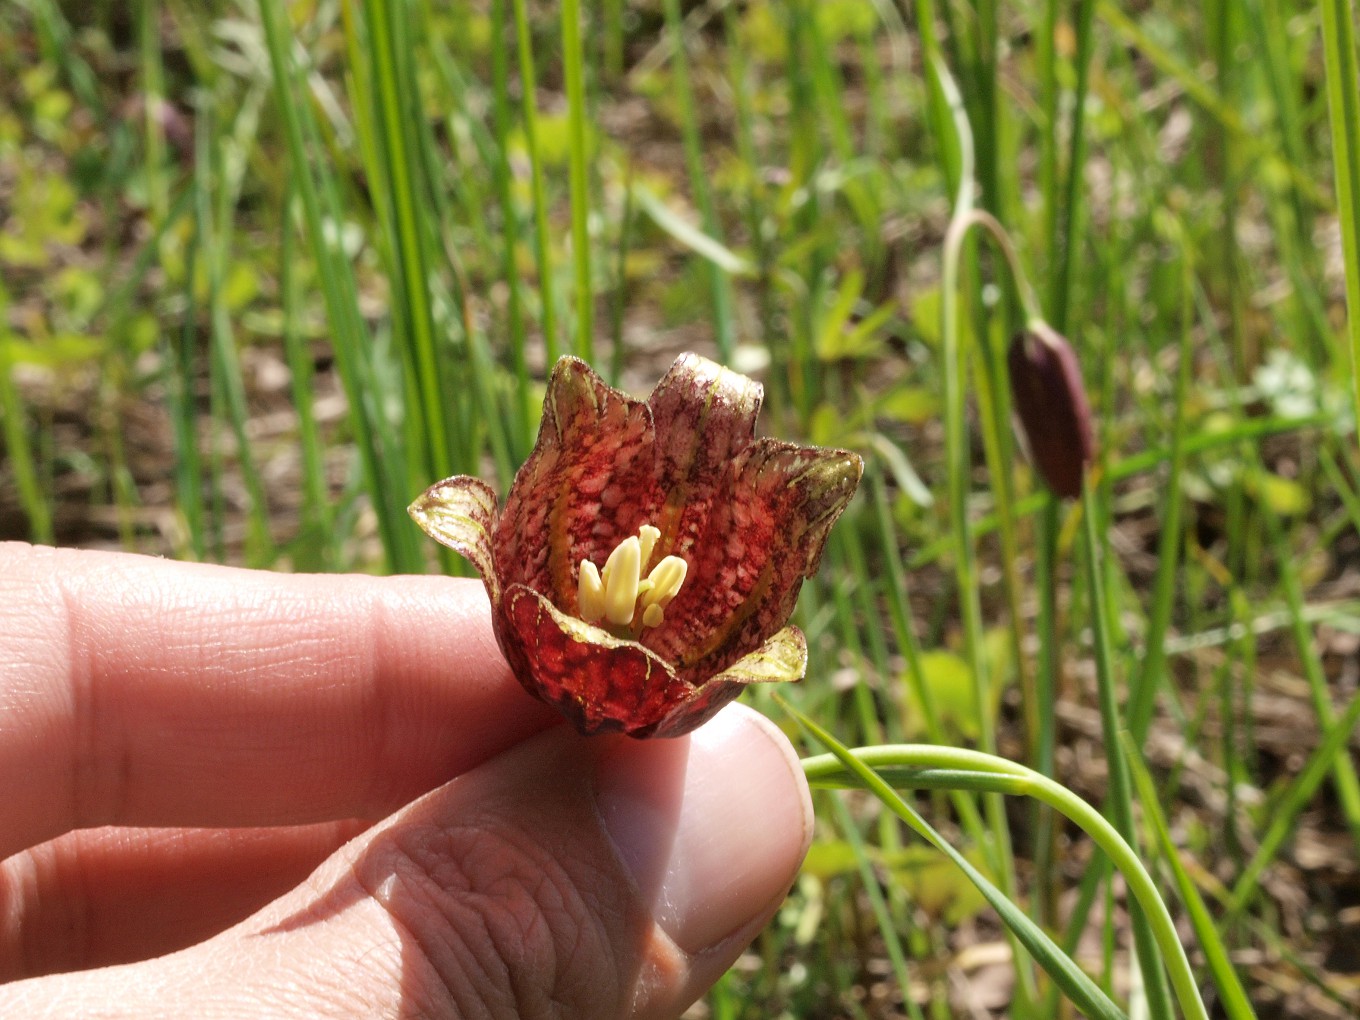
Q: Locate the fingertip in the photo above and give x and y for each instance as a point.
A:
(714, 857)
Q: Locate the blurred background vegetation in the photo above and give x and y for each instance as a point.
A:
(268, 269)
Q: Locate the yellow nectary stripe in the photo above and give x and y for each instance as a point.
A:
(743, 613)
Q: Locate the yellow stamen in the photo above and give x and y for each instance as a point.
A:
(666, 580)
(647, 536)
(590, 593)
(621, 577)
(615, 594)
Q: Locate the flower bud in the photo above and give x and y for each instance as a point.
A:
(1051, 408)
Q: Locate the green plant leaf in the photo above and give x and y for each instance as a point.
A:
(1062, 968)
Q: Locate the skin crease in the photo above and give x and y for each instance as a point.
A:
(255, 795)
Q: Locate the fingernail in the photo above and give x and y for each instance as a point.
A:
(712, 827)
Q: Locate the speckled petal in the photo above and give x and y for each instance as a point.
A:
(460, 512)
(781, 659)
(764, 537)
(599, 682)
(588, 483)
(705, 416)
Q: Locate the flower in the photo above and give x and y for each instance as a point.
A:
(1050, 405)
(650, 552)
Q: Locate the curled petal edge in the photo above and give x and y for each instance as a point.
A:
(602, 683)
(605, 684)
(781, 659)
(822, 479)
(781, 501)
(700, 399)
(461, 512)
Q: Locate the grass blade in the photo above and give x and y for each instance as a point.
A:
(1071, 978)
(1343, 103)
(578, 127)
(1231, 993)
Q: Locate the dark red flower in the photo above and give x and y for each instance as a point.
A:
(650, 552)
(1050, 405)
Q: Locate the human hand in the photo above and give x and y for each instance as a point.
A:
(215, 805)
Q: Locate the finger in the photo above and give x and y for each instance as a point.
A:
(570, 877)
(97, 897)
(136, 691)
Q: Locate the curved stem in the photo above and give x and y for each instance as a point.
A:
(954, 368)
(930, 766)
(982, 218)
(1119, 795)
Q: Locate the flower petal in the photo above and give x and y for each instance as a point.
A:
(705, 415)
(603, 684)
(782, 658)
(587, 484)
(460, 512)
(764, 536)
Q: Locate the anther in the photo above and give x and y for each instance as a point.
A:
(590, 593)
(621, 577)
(619, 595)
(647, 536)
(666, 579)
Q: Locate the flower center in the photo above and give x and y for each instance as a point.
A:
(620, 595)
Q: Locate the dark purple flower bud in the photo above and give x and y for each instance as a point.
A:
(1051, 408)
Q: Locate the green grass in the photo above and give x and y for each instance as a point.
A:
(413, 209)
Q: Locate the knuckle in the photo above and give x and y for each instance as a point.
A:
(496, 923)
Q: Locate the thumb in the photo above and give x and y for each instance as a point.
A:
(567, 878)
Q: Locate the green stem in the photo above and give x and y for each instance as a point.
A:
(528, 88)
(1045, 695)
(926, 766)
(394, 107)
(384, 472)
(954, 365)
(1070, 208)
(574, 76)
(1120, 791)
(500, 75)
(316, 510)
(720, 287)
(1143, 693)
(1343, 102)
(17, 438)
